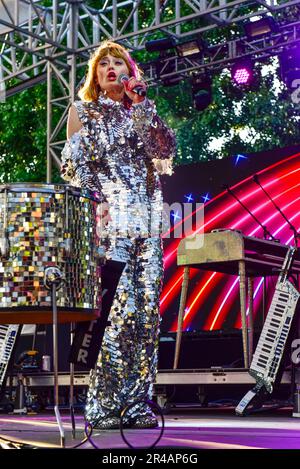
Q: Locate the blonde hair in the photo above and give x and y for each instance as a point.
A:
(90, 90)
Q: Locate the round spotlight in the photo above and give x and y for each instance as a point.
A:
(290, 67)
(242, 73)
(201, 91)
(242, 76)
(202, 99)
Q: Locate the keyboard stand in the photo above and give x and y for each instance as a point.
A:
(231, 252)
(247, 322)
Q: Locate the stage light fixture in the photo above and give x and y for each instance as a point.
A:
(290, 67)
(261, 27)
(160, 45)
(190, 48)
(201, 91)
(242, 72)
(165, 63)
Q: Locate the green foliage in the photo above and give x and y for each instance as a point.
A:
(237, 121)
(23, 136)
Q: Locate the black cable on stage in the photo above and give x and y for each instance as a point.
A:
(88, 429)
(16, 444)
(152, 405)
(82, 441)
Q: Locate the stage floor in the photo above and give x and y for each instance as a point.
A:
(209, 429)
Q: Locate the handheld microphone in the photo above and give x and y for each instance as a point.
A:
(137, 89)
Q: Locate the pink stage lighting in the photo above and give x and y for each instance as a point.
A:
(242, 73)
(242, 76)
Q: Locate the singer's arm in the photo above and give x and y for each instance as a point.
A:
(159, 140)
(74, 124)
(77, 166)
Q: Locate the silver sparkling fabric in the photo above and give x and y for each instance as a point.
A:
(127, 363)
(116, 154)
(38, 220)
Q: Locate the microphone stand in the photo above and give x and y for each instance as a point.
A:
(265, 229)
(291, 226)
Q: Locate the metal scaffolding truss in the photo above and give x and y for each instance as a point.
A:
(52, 40)
(222, 55)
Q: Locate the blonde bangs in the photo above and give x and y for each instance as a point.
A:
(90, 90)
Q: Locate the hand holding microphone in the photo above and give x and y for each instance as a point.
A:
(136, 90)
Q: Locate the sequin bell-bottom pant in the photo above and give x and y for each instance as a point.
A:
(127, 363)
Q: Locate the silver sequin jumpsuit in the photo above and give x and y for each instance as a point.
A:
(120, 153)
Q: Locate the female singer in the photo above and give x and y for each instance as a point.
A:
(117, 145)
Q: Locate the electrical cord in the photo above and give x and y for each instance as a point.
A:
(88, 428)
(6, 443)
(82, 441)
(152, 406)
(229, 402)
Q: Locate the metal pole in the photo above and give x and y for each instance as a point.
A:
(250, 318)
(115, 19)
(264, 314)
(177, 13)
(242, 274)
(184, 288)
(52, 280)
(157, 12)
(72, 43)
(135, 25)
(49, 120)
(72, 369)
(55, 366)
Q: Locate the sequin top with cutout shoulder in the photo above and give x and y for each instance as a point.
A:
(120, 153)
